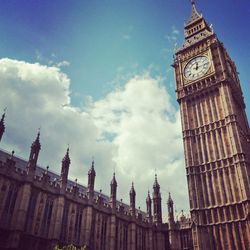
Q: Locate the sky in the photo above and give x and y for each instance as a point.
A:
(97, 75)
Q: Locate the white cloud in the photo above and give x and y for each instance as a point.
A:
(126, 37)
(172, 38)
(175, 30)
(52, 60)
(128, 33)
(145, 129)
(62, 64)
(134, 129)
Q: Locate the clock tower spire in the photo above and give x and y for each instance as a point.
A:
(194, 14)
(215, 137)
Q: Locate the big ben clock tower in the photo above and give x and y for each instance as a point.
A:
(216, 139)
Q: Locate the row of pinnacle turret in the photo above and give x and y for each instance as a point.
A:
(31, 168)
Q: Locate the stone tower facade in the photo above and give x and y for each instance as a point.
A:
(216, 139)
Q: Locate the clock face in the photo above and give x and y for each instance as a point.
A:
(197, 67)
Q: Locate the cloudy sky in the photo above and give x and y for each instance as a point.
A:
(96, 75)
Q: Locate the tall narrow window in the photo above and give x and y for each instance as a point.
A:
(9, 206)
(63, 235)
(78, 223)
(31, 211)
(116, 235)
(47, 217)
(103, 233)
(126, 237)
(143, 239)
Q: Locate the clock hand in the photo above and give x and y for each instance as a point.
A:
(197, 66)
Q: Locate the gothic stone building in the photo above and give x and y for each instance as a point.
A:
(216, 139)
(39, 209)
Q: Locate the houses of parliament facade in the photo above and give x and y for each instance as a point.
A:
(39, 209)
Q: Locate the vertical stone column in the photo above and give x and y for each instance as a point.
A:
(203, 237)
(107, 241)
(19, 216)
(112, 238)
(194, 185)
(215, 187)
(242, 237)
(243, 171)
(229, 237)
(112, 232)
(222, 186)
(150, 239)
(88, 225)
(200, 190)
(132, 236)
(225, 181)
(56, 223)
(161, 241)
(21, 207)
(204, 158)
(82, 236)
(208, 188)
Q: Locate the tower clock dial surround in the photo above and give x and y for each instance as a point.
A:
(197, 67)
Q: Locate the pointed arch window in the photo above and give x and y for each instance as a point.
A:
(103, 233)
(9, 205)
(47, 217)
(31, 211)
(78, 223)
(63, 235)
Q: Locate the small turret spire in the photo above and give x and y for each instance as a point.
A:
(65, 169)
(157, 202)
(156, 184)
(170, 205)
(34, 153)
(36, 143)
(148, 197)
(66, 157)
(113, 181)
(91, 180)
(4, 112)
(149, 207)
(2, 126)
(196, 28)
(194, 14)
(169, 198)
(113, 190)
(132, 195)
